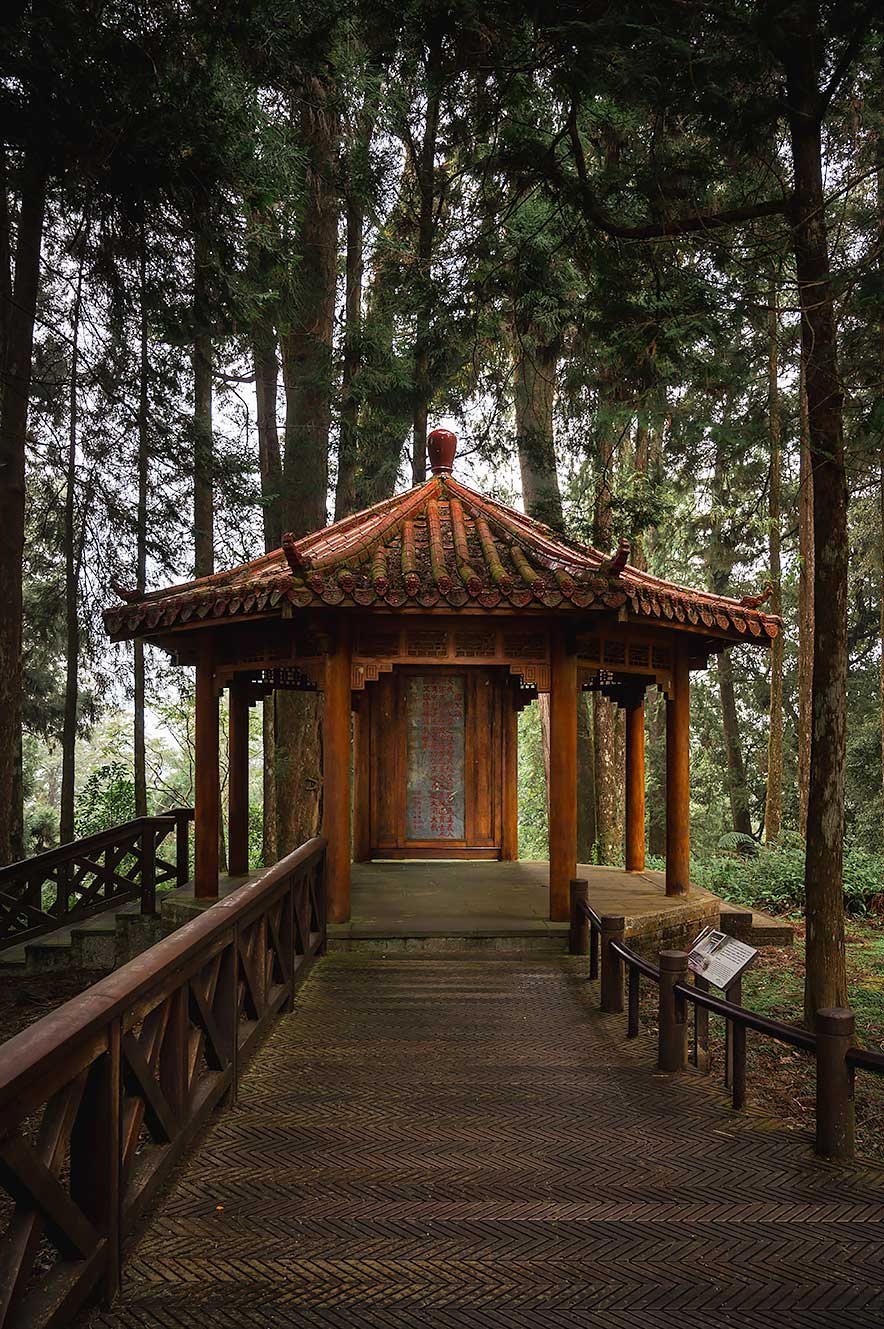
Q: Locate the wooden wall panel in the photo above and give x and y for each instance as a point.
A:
(483, 766)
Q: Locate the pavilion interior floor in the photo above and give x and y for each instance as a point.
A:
(419, 898)
(409, 901)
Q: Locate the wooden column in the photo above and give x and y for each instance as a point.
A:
(562, 775)
(635, 786)
(238, 780)
(509, 848)
(336, 774)
(678, 777)
(361, 781)
(206, 790)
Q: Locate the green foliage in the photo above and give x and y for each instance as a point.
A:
(774, 878)
(256, 836)
(107, 799)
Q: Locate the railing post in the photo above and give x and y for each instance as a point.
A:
(834, 1084)
(95, 1150)
(182, 847)
(578, 940)
(148, 868)
(672, 1052)
(611, 997)
(593, 952)
(735, 1048)
(701, 1028)
(632, 1002)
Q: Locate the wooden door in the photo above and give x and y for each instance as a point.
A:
(436, 763)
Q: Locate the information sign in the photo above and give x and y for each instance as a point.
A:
(718, 958)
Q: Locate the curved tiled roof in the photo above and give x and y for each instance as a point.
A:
(439, 547)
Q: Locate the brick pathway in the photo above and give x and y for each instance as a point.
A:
(469, 1143)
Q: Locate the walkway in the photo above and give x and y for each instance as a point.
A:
(430, 1143)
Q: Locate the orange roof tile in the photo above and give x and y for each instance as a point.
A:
(441, 546)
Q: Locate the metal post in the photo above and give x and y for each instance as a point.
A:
(732, 994)
(632, 1002)
(613, 929)
(672, 1054)
(578, 937)
(593, 952)
(834, 1084)
(701, 1028)
(737, 1047)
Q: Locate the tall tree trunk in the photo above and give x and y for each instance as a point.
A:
(348, 447)
(608, 789)
(805, 603)
(266, 363)
(425, 170)
(656, 722)
(306, 343)
(640, 469)
(719, 557)
(13, 432)
(535, 360)
(270, 463)
(738, 790)
(203, 442)
(140, 749)
(826, 977)
(71, 607)
(534, 402)
(773, 809)
(306, 346)
(586, 831)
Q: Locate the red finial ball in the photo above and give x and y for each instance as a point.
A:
(441, 447)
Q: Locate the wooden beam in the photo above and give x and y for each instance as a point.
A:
(206, 794)
(562, 775)
(336, 773)
(678, 776)
(635, 786)
(361, 781)
(509, 850)
(238, 780)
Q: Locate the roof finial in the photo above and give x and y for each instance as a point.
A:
(441, 447)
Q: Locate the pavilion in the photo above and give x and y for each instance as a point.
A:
(435, 616)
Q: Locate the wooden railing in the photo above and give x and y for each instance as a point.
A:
(78, 879)
(602, 938)
(99, 1099)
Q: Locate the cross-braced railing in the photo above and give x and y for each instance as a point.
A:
(100, 1098)
(75, 880)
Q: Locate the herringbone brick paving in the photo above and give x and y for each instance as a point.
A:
(469, 1143)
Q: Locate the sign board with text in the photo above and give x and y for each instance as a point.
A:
(718, 958)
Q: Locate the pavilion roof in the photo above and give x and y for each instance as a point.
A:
(442, 546)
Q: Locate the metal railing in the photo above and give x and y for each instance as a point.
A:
(602, 938)
(100, 1098)
(83, 877)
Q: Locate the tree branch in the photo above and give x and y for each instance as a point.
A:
(701, 221)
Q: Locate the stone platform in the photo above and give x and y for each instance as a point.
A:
(432, 907)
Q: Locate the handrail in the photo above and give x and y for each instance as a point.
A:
(26, 1054)
(782, 1033)
(127, 1073)
(866, 1059)
(97, 840)
(637, 961)
(831, 1043)
(79, 878)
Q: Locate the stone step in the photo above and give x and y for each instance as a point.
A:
(755, 927)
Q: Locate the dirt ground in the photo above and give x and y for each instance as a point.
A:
(29, 997)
